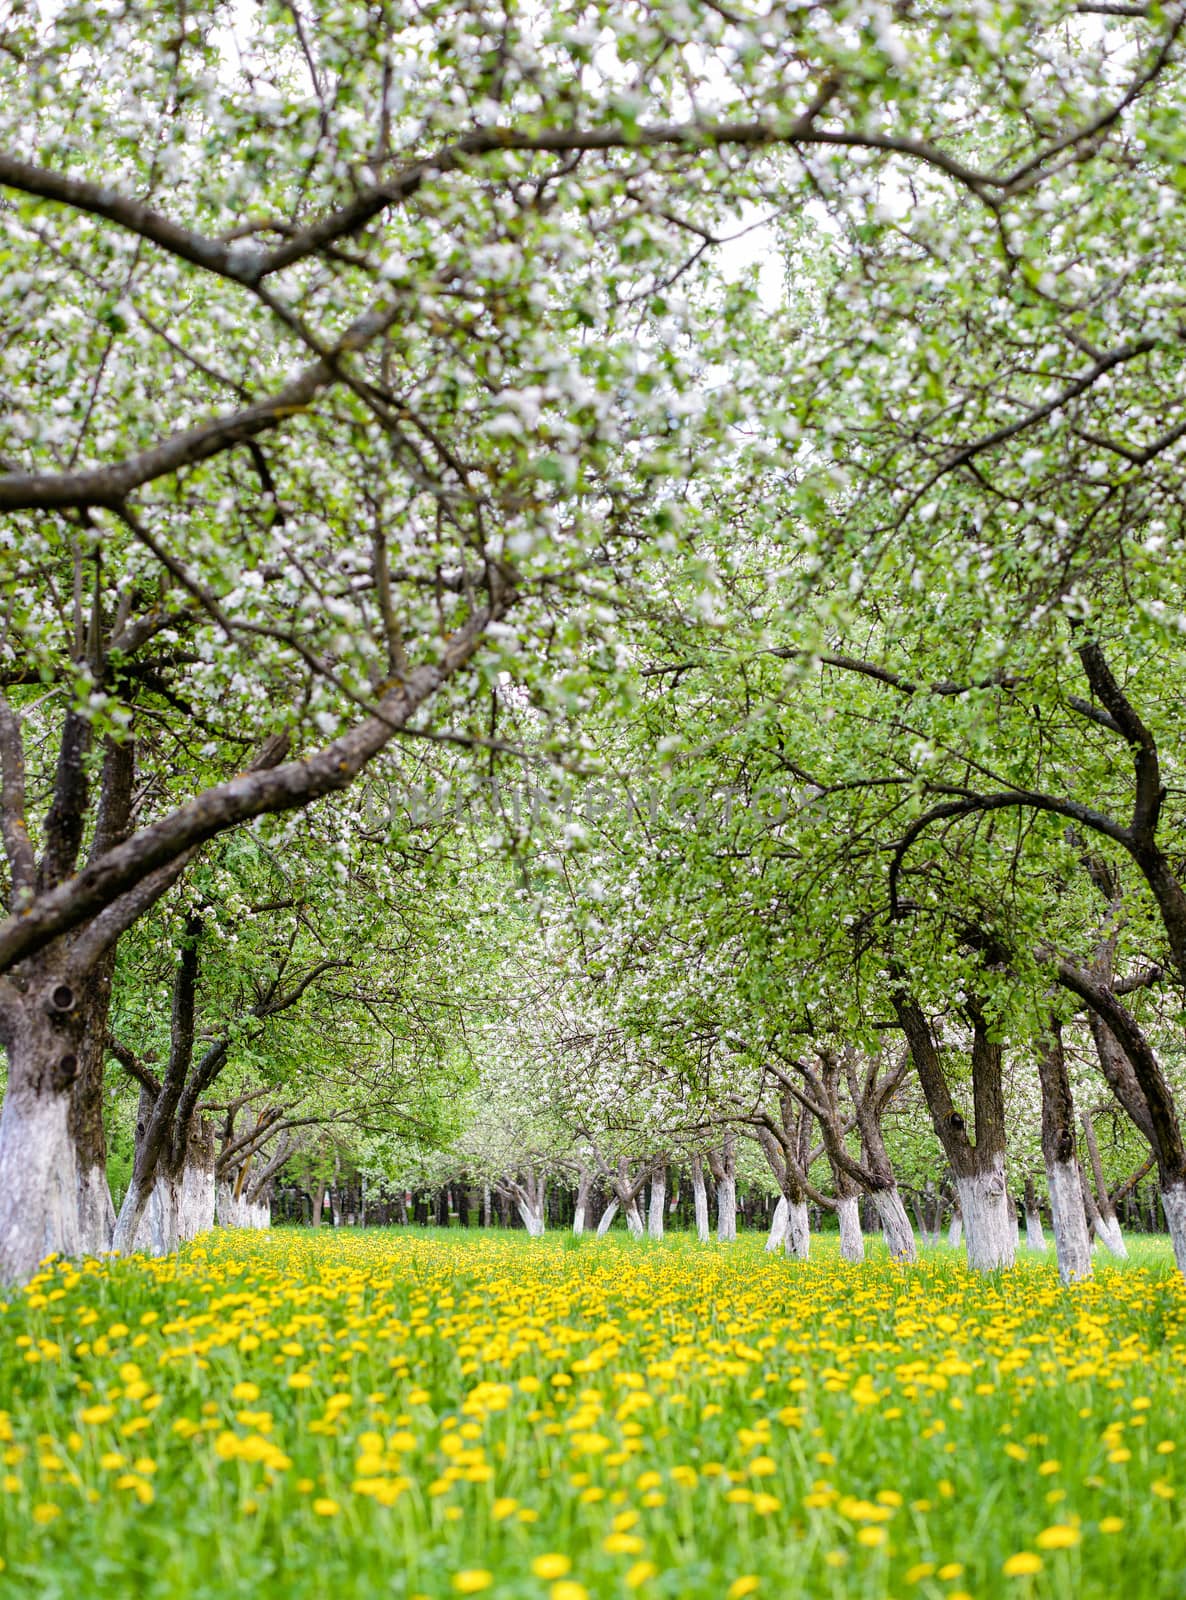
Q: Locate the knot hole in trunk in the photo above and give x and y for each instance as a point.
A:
(65, 1072)
(60, 1000)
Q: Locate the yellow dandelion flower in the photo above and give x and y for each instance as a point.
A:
(1057, 1537)
(472, 1580)
(740, 1587)
(1023, 1565)
(551, 1566)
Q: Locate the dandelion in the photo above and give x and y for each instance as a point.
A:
(1057, 1537)
(740, 1587)
(1023, 1565)
(551, 1566)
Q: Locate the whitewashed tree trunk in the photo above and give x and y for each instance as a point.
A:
(852, 1240)
(985, 1206)
(533, 1219)
(1173, 1203)
(38, 1183)
(895, 1224)
(778, 1226)
(798, 1230)
(1011, 1218)
(580, 1211)
(156, 1234)
(1034, 1237)
(96, 1213)
(955, 1232)
(699, 1200)
(607, 1217)
(224, 1205)
(1107, 1231)
(196, 1201)
(132, 1229)
(634, 1220)
(1068, 1220)
(727, 1209)
(658, 1198)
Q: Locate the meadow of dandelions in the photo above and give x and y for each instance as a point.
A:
(378, 1414)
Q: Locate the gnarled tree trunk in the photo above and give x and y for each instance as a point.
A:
(978, 1168)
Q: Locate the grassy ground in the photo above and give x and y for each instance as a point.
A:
(429, 1414)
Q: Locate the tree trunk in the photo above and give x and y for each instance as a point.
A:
(852, 1240)
(634, 1223)
(895, 1224)
(1068, 1220)
(1173, 1203)
(533, 1219)
(41, 1031)
(96, 1213)
(197, 1191)
(1072, 1243)
(607, 1217)
(700, 1199)
(985, 1206)
(727, 1208)
(658, 1200)
(724, 1170)
(978, 1168)
(318, 1202)
(1034, 1237)
(140, 1190)
(955, 1229)
(38, 1182)
(798, 1232)
(778, 1226)
(580, 1210)
(1107, 1224)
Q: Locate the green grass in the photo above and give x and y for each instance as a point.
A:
(426, 1412)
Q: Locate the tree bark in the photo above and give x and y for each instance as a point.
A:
(895, 1224)
(700, 1199)
(581, 1208)
(655, 1211)
(724, 1171)
(1072, 1245)
(979, 1168)
(41, 1029)
(1034, 1237)
(1107, 1224)
(778, 1226)
(852, 1240)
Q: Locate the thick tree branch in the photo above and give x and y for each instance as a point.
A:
(250, 794)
